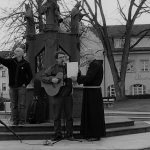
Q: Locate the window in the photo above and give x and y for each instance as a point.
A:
(144, 65)
(122, 43)
(3, 86)
(111, 91)
(1, 66)
(39, 59)
(119, 43)
(4, 73)
(130, 66)
(138, 89)
(118, 65)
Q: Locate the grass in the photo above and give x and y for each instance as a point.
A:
(141, 105)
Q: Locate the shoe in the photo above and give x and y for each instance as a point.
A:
(46, 142)
(69, 137)
(15, 123)
(21, 123)
(93, 139)
(57, 138)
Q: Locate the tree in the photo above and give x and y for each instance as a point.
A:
(97, 19)
(16, 28)
(13, 21)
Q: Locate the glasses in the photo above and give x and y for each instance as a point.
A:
(61, 57)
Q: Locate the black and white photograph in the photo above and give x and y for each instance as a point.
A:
(74, 74)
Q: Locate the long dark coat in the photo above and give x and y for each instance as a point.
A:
(92, 115)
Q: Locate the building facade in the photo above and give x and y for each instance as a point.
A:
(4, 88)
(4, 76)
(138, 70)
(137, 77)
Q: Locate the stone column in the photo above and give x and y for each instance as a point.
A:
(30, 36)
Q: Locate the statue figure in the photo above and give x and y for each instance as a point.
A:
(51, 9)
(76, 17)
(30, 27)
(75, 11)
(28, 13)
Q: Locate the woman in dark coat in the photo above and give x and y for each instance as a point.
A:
(92, 115)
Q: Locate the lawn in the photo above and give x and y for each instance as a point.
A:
(141, 105)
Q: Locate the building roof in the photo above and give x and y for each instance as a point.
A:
(119, 30)
(134, 50)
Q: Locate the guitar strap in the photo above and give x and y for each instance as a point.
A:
(64, 74)
(67, 88)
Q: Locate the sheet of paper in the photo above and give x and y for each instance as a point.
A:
(72, 69)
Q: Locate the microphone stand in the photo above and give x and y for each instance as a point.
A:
(11, 130)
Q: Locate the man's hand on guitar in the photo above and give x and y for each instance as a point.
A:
(55, 80)
(74, 79)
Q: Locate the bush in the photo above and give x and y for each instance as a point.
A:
(1, 106)
(144, 96)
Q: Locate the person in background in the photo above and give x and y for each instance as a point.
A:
(63, 99)
(20, 75)
(92, 115)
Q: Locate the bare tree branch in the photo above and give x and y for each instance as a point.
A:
(121, 11)
(138, 41)
(138, 10)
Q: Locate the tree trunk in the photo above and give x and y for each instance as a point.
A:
(39, 3)
(120, 91)
(119, 83)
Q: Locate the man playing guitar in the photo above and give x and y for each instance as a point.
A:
(56, 77)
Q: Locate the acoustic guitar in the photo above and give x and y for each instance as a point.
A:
(52, 89)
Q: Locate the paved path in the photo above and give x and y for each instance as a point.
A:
(126, 112)
(126, 142)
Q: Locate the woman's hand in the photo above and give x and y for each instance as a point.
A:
(55, 80)
(73, 78)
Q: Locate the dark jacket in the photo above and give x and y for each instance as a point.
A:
(94, 74)
(19, 72)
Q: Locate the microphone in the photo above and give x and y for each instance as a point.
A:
(63, 63)
(13, 56)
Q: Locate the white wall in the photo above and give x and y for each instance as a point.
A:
(4, 80)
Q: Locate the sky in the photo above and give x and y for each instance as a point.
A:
(109, 6)
(7, 3)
